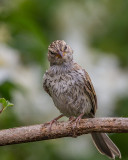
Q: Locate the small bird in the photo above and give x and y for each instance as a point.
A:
(72, 92)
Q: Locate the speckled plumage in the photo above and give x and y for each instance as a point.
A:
(72, 91)
(66, 86)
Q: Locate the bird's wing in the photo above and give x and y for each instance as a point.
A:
(45, 83)
(89, 89)
(91, 92)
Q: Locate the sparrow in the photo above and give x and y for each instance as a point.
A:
(72, 92)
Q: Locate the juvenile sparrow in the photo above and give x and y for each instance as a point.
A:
(73, 93)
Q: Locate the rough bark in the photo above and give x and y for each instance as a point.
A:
(62, 129)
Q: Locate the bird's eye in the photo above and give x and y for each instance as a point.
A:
(51, 52)
(65, 47)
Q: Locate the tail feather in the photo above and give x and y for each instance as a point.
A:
(105, 145)
(111, 145)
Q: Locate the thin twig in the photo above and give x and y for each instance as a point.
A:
(62, 129)
(1, 110)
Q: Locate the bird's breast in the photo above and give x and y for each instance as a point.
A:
(65, 84)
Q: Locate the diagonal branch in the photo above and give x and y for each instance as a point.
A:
(62, 129)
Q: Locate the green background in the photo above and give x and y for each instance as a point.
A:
(29, 26)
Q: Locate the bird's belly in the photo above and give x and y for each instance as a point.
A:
(71, 100)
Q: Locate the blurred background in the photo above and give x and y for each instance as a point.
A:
(98, 33)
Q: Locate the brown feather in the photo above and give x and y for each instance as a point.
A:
(91, 92)
(89, 89)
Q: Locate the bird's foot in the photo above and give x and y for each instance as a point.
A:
(53, 121)
(76, 123)
(71, 119)
(77, 120)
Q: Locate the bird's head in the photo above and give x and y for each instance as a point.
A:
(59, 52)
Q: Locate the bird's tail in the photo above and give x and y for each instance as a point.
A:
(105, 145)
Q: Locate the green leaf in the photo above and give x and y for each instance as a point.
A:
(4, 103)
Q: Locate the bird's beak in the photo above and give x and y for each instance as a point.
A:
(61, 53)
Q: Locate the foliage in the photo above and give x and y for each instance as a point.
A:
(29, 26)
(6, 89)
(111, 36)
(122, 107)
(4, 104)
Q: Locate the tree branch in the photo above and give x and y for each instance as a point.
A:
(62, 129)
